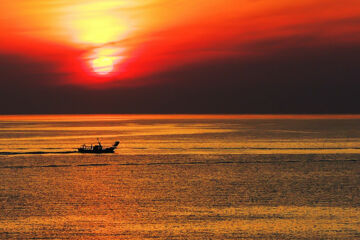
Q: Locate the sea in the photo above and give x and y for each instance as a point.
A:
(180, 177)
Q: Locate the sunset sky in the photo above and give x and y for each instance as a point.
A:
(157, 56)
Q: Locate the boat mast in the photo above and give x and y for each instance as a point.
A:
(99, 142)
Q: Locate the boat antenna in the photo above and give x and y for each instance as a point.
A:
(98, 141)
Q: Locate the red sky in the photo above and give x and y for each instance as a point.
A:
(123, 40)
(107, 44)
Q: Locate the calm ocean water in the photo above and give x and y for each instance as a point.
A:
(180, 177)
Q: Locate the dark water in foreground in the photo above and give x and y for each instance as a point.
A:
(180, 177)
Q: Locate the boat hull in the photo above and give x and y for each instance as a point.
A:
(107, 150)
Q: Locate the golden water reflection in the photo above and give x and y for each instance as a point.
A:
(180, 178)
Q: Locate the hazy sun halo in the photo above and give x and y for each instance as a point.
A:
(103, 65)
(103, 60)
(97, 24)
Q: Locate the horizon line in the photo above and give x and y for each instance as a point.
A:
(124, 116)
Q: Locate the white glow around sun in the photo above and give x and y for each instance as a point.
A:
(103, 59)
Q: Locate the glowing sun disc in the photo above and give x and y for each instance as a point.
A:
(103, 65)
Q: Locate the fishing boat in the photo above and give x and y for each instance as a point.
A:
(98, 148)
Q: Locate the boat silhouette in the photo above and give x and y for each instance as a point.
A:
(98, 148)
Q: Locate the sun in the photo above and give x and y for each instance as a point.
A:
(103, 60)
(103, 65)
(97, 25)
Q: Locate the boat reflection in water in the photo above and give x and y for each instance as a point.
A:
(98, 148)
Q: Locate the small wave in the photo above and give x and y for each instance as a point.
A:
(172, 163)
(275, 148)
(197, 148)
(171, 148)
(43, 166)
(93, 165)
(304, 148)
(36, 152)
